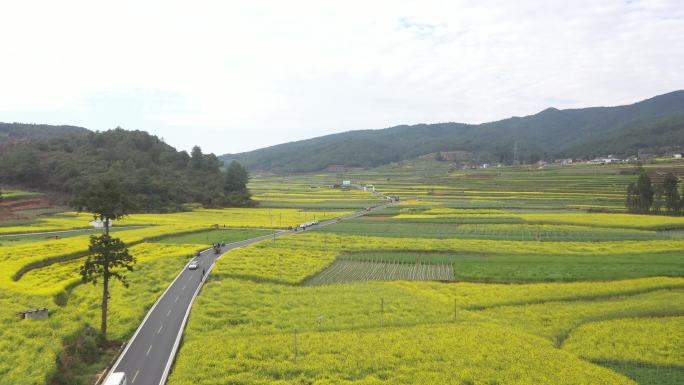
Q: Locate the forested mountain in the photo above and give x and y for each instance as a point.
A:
(655, 124)
(154, 174)
(21, 131)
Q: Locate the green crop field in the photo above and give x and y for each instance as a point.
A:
(16, 194)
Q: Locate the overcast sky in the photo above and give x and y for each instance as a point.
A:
(233, 76)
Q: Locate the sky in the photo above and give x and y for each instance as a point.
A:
(233, 76)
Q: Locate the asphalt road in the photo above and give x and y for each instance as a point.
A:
(87, 230)
(149, 354)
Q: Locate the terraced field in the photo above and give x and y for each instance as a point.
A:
(309, 192)
(530, 263)
(498, 276)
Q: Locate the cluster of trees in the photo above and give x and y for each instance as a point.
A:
(644, 196)
(155, 176)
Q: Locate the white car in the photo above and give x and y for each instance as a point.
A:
(117, 378)
(193, 265)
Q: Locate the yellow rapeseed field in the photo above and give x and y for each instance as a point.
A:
(462, 353)
(635, 221)
(28, 348)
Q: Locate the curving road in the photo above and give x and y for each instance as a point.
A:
(149, 354)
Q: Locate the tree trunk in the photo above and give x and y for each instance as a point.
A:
(106, 225)
(105, 300)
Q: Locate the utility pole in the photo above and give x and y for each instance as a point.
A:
(455, 310)
(296, 349)
(516, 161)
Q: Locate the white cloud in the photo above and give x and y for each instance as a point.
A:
(233, 76)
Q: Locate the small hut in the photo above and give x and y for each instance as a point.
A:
(40, 313)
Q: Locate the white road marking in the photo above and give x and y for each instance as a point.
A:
(135, 376)
(148, 350)
(184, 287)
(175, 300)
(160, 328)
(168, 312)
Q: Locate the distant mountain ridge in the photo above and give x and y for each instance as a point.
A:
(22, 131)
(655, 124)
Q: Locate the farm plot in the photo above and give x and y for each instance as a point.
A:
(459, 354)
(343, 271)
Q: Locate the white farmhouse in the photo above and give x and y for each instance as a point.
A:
(99, 224)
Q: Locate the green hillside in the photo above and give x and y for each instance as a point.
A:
(22, 131)
(155, 175)
(655, 124)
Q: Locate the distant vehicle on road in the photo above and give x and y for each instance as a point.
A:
(116, 378)
(303, 226)
(193, 265)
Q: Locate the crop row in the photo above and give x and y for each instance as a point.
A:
(628, 221)
(342, 271)
(523, 232)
